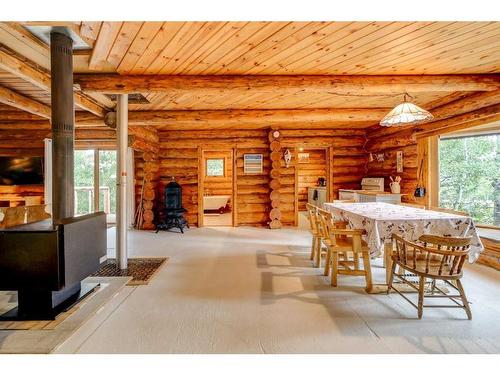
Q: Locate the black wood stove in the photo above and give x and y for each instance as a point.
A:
(172, 215)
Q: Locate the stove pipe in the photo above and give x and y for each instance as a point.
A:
(63, 125)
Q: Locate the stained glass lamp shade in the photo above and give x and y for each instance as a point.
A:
(406, 113)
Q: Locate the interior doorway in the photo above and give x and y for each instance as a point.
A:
(217, 188)
(312, 177)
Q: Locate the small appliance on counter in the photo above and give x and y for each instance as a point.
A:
(372, 190)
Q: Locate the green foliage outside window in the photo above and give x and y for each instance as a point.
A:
(84, 177)
(215, 167)
(469, 170)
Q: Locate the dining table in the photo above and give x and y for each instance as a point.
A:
(381, 220)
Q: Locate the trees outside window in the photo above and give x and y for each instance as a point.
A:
(469, 170)
(84, 181)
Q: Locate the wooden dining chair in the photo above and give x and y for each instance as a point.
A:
(436, 258)
(344, 248)
(317, 234)
(448, 210)
(414, 205)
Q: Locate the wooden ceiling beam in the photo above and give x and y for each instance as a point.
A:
(340, 85)
(475, 118)
(452, 110)
(16, 65)
(12, 98)
(306, 117)
(467, 104)
(23, 120)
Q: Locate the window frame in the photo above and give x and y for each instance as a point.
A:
(223, 168)
(434, 166)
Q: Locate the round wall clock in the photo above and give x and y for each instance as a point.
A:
(276, 134)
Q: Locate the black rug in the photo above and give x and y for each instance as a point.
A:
(140, 269)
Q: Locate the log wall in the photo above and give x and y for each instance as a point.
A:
(389, 144)
(308, 173)
(345, 152)
(21, 143)
(180, 155)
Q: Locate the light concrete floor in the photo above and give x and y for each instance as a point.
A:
(250, 290)
(218, 220)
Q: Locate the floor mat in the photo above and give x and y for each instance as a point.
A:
(140, 269)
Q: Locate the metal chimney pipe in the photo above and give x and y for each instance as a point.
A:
(63, 125)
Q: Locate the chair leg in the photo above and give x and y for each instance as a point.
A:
(367, 269)
(391, 277)
(313, 247)
(355, 258)
(335, 267)
(317, 262)
(328, 261)
(464, 299)
(421, 287)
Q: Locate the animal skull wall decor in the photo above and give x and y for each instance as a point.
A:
(288, 157)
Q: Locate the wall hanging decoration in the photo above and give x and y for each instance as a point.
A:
(399, 161)
(288, 157)
(303, 157)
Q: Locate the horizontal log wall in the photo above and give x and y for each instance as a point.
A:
(389, 144)
(308, 173)
(491, 254)
(179, 158)
(346, 154)
(252, 191)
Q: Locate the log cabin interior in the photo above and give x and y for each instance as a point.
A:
(239, 134)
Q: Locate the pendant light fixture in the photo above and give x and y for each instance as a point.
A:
(406, 113)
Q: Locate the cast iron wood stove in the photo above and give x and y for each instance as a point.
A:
(172, 215)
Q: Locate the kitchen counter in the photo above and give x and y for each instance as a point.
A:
(378, 196)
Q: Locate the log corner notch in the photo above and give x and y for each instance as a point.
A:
(146, 140)
(151, 167)
(275, 147)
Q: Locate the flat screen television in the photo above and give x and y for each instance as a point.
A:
(21, 170)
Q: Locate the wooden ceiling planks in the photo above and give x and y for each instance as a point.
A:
(426, 45)
(158, 44)
(266, 48)
(139, 45)
(107, 37)
(274, 48)
(25, 88)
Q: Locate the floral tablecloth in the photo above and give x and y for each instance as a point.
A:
(381, 220)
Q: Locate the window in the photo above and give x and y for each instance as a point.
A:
(469, 176)
(215, 168)
(85, 179)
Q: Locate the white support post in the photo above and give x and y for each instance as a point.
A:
(121, 178)
(96, 180)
